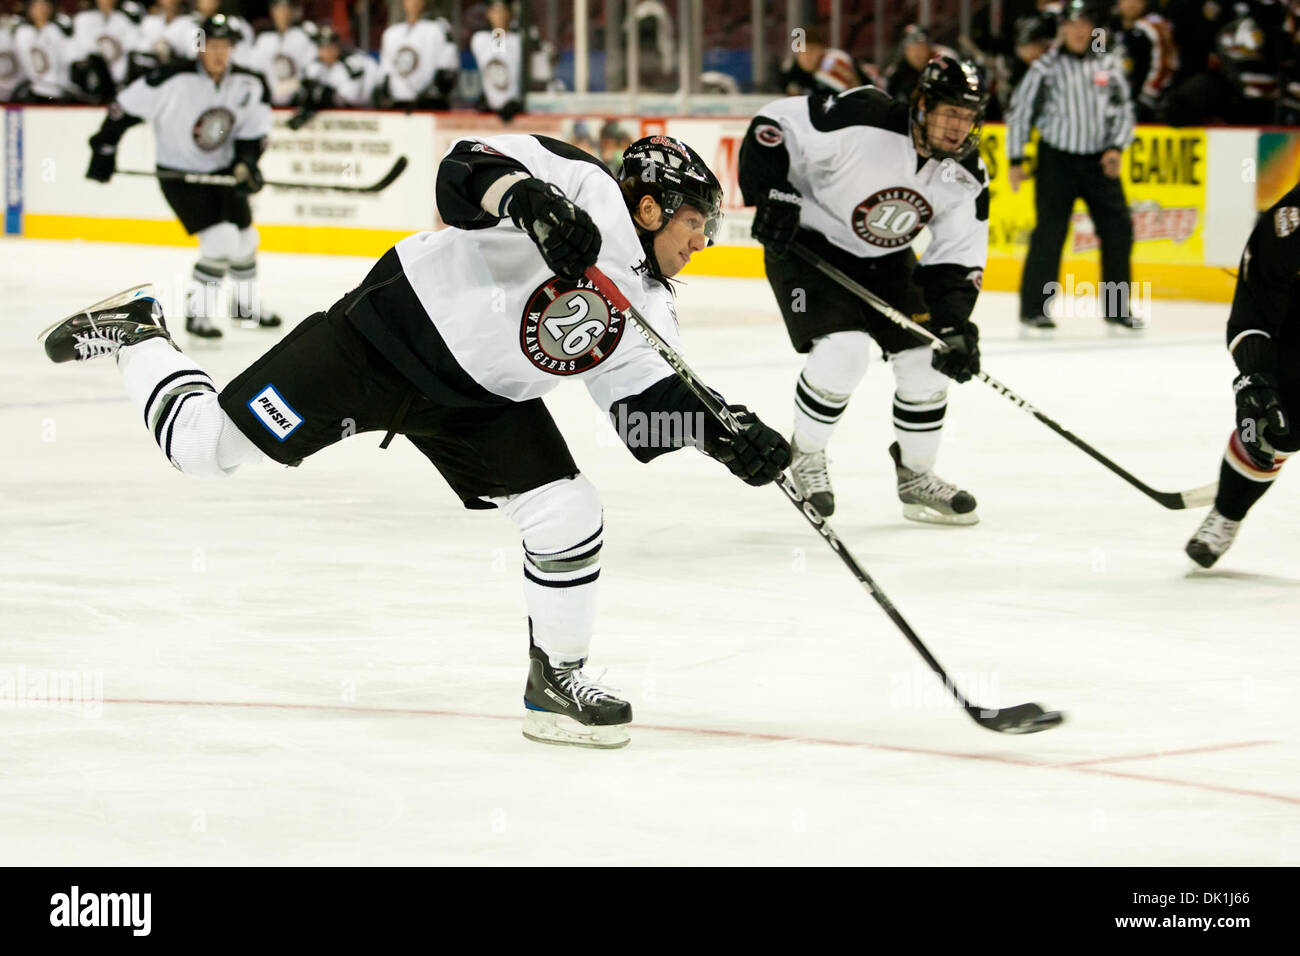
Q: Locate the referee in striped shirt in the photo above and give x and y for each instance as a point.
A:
(1078, 98)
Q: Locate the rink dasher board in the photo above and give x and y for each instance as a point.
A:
(1229, 172)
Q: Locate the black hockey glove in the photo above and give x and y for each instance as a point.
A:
(1260, 415)
(756, 456)
(961, 359)
(103, 162)
(249, 176)
(567, 238)
(776, 221)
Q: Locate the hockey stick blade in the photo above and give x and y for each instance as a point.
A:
(1024, 719)
(225, 179)
(1021, 719)
(1174, 500)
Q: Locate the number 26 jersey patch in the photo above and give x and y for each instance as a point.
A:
(568, 327)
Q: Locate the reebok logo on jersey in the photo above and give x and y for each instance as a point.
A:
(274, 413)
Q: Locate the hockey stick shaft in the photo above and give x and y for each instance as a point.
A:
(1170, 499)
(225, 179)
(815, 518)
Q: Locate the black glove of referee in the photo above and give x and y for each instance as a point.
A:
(960, 361)
(565, 235)
(776, 220)
(756, 456)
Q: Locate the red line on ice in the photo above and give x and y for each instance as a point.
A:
(1077, 767)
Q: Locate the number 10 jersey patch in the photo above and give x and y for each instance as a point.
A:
(568, 327)
(891, 217)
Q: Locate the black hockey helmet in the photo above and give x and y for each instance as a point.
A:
(218, 27)
(1082, 10)
(673, 174)
(946, 79)
(328, 36)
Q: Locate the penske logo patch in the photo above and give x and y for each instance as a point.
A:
(274, 413)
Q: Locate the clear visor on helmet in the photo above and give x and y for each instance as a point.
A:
(712, 213)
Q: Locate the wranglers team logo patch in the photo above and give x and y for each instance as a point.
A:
(284, 67)
(8, 65)
(890, 218)
(406, 61)
(213, 128)
(108, 47)
(274, 413)
(569, 327)
(40, 62)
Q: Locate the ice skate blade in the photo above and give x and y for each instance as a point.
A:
(547, 728)
(118, 298)
(927, 515)
(1028, 332)
(1117, 331)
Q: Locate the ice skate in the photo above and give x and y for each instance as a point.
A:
(264, 320)
(1212, 539)
(564, 706)
(808, 472)
(202, 327)
(103, 328)
(927, 497)
(1036, 327)
(1126, 326)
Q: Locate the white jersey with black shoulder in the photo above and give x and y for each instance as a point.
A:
(500, 57)
(11, 71)
(112, 37)
(863, 185)
(412, 53)
(515, 327)
(46, 55)
(281, 58)
(352, 78)
(196, 119)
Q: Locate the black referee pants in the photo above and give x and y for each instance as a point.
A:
(1059, 179)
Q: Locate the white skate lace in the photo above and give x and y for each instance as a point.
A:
(809, 469)
(928, 486)
(98, 340)
(1218, 532)
(582, 688)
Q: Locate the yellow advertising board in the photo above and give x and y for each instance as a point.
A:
(1165, 174)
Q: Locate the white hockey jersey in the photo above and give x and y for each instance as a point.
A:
(352, 78)
(411, 53)
(515, 327)
(863, 186)
(152, 36)
(46, 55)
(281, 58)
(112, 37)
(196, 120)
(11, 71)
(500, 57)
(182, 36)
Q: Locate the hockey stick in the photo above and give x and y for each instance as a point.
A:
(225, 179)
(1174, 500)
(1020, 719)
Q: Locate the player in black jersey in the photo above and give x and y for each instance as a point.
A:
(1264, 339)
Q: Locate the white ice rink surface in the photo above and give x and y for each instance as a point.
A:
(324, 665)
